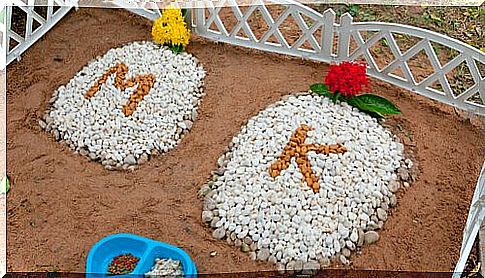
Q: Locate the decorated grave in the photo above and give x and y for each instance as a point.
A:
(311, 178)
(132, 102)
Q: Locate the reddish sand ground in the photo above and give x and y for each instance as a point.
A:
(61, 204)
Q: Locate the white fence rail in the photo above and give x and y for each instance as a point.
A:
(16, 41)
(473, 223)
(3, 38)
(207, 22)
(146, 9)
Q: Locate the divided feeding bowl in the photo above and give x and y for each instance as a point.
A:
(147, 250)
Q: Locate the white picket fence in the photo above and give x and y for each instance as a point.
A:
(205, 20)
(56, 9)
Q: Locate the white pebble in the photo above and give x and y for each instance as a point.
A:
(286, 220)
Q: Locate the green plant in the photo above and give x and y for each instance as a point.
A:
(345, 82)
(5, 185)
(431, 17)
(353, 9)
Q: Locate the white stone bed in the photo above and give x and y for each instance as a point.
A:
(166, 268)
(281, 219)
(98, 128)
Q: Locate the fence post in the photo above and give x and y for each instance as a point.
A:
(29, 21)
(327, 35)
(199, 19)
(188, 16)
(3, 38)
(344, 37)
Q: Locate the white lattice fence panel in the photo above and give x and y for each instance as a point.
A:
(146, 8)
(153, 10)
(432, 77)
(27, 25)
(313, 29)
(320, 38)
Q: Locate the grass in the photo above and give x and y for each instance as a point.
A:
(466, 24)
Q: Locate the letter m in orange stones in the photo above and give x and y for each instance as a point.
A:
(298, 149)
(145, 84)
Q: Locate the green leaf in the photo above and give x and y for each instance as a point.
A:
(353, 10)
(335, 97)
(321, 89)
(177, 48)
(353, 102)
(341, 97)
(375, 115)
(374, 104)
(5, 185)
(184, 12)
(358, 104)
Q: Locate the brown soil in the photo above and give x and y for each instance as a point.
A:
(61, 204)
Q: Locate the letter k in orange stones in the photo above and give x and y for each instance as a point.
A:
(298, 149)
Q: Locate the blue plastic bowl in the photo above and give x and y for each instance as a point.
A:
(146, 249)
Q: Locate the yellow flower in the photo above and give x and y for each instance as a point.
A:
(170, 29)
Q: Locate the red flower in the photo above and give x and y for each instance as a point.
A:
(347, 78)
